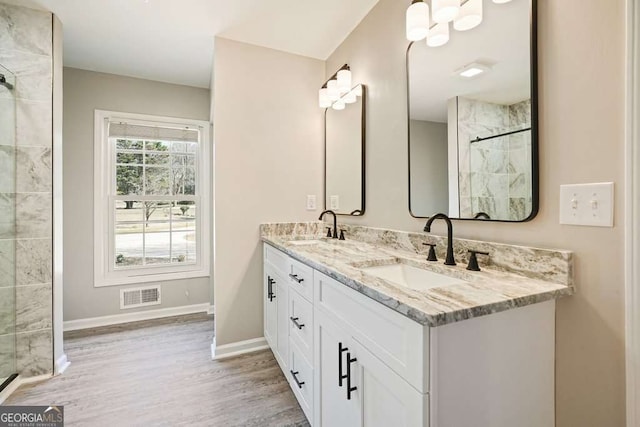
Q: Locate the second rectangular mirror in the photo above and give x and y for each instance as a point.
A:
(472, 118)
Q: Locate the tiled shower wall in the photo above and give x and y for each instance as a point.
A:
(494, 175)
(26, 243)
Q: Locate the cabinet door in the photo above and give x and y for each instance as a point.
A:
(333, 408)
(270, 307)
(386, 398)
(282, 302)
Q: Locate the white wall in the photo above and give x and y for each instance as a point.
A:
(429, 172)
(85, 91)
(269, 156)
(581, 76)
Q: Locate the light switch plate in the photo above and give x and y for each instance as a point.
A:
(311, 202)
(335, 202)
(587, 204)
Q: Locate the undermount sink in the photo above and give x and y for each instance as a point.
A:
(411, 277)
(303, 242)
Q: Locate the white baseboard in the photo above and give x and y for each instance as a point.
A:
(116, 319)
(237, 348)
(61, 365)
(212, 309)
(20, 380)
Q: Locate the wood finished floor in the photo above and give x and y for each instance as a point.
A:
(160, 373)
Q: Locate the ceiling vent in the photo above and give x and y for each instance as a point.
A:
(139, 297)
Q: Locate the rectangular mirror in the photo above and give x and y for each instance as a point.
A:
(473, 119)
(344, 156)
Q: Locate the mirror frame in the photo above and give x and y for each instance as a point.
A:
(360, 212)
(535, 161)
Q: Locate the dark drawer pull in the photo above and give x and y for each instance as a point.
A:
(270, 283)
(296, 278)
(295, 378)
(295, 322)
(341, 350)
(349, 388)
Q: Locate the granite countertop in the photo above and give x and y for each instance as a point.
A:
(478, 293)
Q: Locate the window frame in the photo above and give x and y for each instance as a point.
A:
(105, 272)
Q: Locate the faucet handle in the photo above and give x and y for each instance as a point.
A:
(341, 234)
(473, 260)
(329, 232)
(432, 251)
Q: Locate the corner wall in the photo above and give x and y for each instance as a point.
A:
(581, 76)
(268, 157)
(84, 92)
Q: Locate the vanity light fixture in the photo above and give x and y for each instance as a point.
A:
(417, 21)
(444, 11)
(337, 91)
(438, 35)
(470, 16)
(465, 14)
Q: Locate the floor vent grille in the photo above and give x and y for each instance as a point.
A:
(139, 297)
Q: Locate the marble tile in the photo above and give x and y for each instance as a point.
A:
(33, 261)
(518, 185)
(33, 307)
(24, 29)
(7, 355)
(33, 74)
(7, 169)
(7, 263)
(520, 114)
(33, 215)
(518, 209)
(7, 310)
(7, 215)
(33, 169)
(518, 161)
(7, 120)
(33, 123)
(34, 351)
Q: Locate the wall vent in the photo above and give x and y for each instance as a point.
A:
(139, 297)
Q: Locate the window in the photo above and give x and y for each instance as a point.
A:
(151, 198)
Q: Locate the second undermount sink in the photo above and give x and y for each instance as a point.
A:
(411, 277)
(304, 242)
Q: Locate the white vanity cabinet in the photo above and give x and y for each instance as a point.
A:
(352, 361)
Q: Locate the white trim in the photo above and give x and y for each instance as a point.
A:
(237, 348)
(20, 381)
(104, 275)
(632, 214)
(117, 319)
(62, 363)
(212, 309)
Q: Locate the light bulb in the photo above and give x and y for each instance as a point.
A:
(358, 90)
(470, 16)
(344, 81)
(332, 90)
(323, 98)
(444, 10)
(339, 105)
(417, 21)
(438, 35)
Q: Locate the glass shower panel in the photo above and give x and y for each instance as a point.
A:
(7, 227)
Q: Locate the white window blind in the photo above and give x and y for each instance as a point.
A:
(137, 131)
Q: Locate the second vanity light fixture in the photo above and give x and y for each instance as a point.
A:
(337, 91)
(465, 14)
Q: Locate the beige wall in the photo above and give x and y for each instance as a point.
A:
(269, 156)
(581, 75)
(85, 91)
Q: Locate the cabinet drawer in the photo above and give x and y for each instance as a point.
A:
(399, 342)
(300, 376)
(301, 278)
(279, 260)
(301, 323)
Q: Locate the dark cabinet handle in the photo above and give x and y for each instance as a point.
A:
(295, 378)
(341, 350)
(295, 277)
(349, 388)
(295, 322)
(270, 293)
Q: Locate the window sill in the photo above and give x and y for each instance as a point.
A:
(160, 277)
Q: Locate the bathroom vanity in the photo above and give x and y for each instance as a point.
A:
(368, 333)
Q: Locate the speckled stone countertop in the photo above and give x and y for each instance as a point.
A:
(478, 293)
